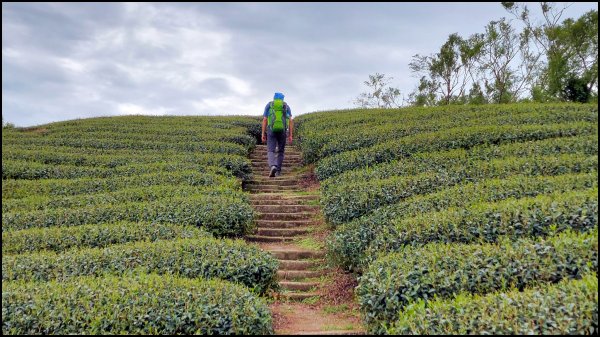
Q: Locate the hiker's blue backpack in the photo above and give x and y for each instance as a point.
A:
(277, 117)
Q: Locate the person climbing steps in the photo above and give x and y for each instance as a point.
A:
(277, 124)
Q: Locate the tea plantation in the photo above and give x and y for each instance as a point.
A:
(463, 219)
(131, 225)
(454, 220)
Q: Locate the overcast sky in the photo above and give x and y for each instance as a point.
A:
(63, 61)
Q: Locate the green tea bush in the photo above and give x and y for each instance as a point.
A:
(542, 215)
(232, 260)
(567, 308)
(347, 245)
(442, 270)
(138, 304)
(220, 215)
(59, 239)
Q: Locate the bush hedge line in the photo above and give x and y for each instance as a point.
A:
(441, 160)
(348, 243)
(220, 215)
(542, 215)
(318, 132)
(567, 308)
(15, 189)
(442, 270)
(232, 260)
(134, 194)
(59, 239)
(369, 136)
(461, 137)
(351, 200)
(139, 304)
(237, 165)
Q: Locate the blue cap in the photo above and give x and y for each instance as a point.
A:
(278, 95)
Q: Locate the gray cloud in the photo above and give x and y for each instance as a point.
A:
(75, 60)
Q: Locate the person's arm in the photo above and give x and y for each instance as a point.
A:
(291, 129)
(264, 123)
(264, 128)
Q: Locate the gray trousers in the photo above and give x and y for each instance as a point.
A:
(275, 140)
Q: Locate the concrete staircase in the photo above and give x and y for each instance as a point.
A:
(286, 214)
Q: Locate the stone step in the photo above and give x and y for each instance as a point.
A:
(270, 191)
(297, 296)
(286, 208)
(279, 202)
(296, 254)
(272, 186)
(285, 216)
(283, 196)
(298, 286)
(263, 155)
(280, 232)
(292, 176)
(297, 274)
(264, 170)
(260, 238)
(296, 264)
(272, 181)
(332, 332)
(283, 223)
(265, 166)
(266, 160)
(288, 147)
(266, 174)
(287, 151)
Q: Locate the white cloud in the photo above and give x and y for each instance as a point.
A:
(76, 60)
(134, 109)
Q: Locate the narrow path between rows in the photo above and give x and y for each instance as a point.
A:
(314, 299)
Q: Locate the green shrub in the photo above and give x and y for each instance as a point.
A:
(192, 258)
(326, 133)
(442, 160)
(14, 189)
(461, 137)
(351, 200)
(567, 308)
(542, 215)
(139, 304)
(443, 270)
(348, 243)
(111, 143)
(220, 215)
(49, 162)
(136, 194)
(369, 136)
(59, 239)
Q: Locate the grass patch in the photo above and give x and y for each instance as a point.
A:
(336, 309)
(311, 300)
(338, 327)
(314, 202)
(310, 244)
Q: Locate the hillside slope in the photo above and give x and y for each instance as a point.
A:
(435, 202)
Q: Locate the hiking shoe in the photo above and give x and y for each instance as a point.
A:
(273, 171)
(278, 173)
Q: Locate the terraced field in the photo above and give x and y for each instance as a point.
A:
(440, 212)
(447, 220)
(132, 225)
